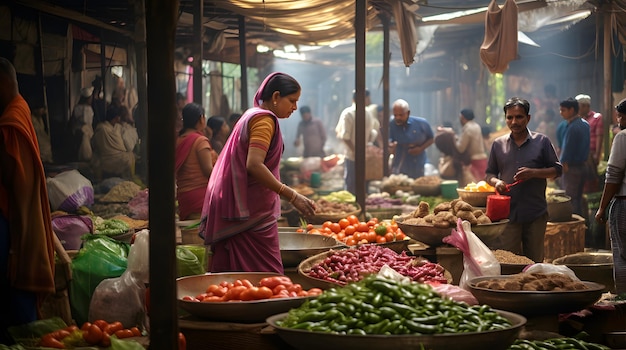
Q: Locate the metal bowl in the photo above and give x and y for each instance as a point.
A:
(499, 339)
(474, 198)
(426, 234)
(240, 311)
(295, 247)
(594, 267)
(487, 232)
(536, 302)
(433, 236)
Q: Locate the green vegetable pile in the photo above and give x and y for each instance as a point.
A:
(376, 305)
(110, 227)
(340, 196)
(555, 344)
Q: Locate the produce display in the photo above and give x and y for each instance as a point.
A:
(98, 333)
(122, 192)
(351, 231)
(244, 290)
(396, 180)
(110, 227)
(445, 214)
(507, 257)
(340, 196)
(432, 180)
(555, 343)
(326, 207)
(382, 200)
(378, 305)
(533, 282)
(351, 265)
(481, 186)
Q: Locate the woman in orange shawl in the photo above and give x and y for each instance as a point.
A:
(26, 235)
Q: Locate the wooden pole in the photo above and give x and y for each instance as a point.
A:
(384, 128)
(198, 10)
(359, 127)
(142, 93)
(243, 62)
(161, 20)
(607, 107)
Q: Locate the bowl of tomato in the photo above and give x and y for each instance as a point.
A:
(214, 296)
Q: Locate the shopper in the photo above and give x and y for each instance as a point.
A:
(194, 163)
(614, 198)
(26, 235)
(242, 203)
(409, 138)
(530, 158)
(313, 134)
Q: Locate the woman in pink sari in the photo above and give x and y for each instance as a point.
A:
(242, 203)
(194, 163)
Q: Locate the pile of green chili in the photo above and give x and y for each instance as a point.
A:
(377, 305)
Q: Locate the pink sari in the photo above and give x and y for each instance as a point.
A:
(189, 202)
(239, 217)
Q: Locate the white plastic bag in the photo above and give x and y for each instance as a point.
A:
(123, 298)
(551, 268)
(478, 259)
(69, 190)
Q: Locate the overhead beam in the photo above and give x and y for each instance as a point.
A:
(72, 16)
(479, 17)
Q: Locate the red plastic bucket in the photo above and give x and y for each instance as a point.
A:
(498, 207)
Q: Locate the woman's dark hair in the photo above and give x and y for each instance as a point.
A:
(467, 114)
(192, 112)
(516, 101)
(216, 123)
(283, 83)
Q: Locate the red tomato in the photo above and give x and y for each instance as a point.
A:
(335, 227)
(390, 237)
(272, 282)
(93, 335)
(190, 298)
(136, 331)
(212, 299)
(102, 324)
(182, 342)
(343, 223)
(113, 327)
(362, 227)
(234, 293)
(354, 220)
(296, 287)
(106, 340)
(381, 239)
(315, 291)
(279, 288)
(49, 341)
(71, 328)
(123, 333)
(85, 326)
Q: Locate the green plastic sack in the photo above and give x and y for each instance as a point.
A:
(101, 257)
(187, 263)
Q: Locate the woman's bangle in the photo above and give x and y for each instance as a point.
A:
(280, 190)
(294, 195)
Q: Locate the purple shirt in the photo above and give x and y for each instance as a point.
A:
(528, 199)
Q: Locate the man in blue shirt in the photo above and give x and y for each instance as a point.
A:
(574, 152)
(409, 137)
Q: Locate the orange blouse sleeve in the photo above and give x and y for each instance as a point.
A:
(262, 129)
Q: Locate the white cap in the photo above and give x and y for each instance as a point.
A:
(586, 99)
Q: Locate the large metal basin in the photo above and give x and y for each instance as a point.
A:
(595, 267)
(533, 303)
(295, 247)
(500, 339)
(240, 311)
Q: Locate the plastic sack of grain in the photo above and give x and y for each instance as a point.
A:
(69, 190)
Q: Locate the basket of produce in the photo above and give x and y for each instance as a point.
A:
(340, 267)
(295, 247)
(332, 211)
(476, 193)
(427, 185)
(431, 226)
(115, 228)
(397, 182)
(559, 207)
(239, 296)
(535, 294)
(511, 263)
(423, 321)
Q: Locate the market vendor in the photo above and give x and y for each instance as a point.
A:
(530, 158)
(111, 158)
(242, 204)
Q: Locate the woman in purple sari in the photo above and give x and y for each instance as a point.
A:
(242, 202)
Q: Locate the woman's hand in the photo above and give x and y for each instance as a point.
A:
(304, 205)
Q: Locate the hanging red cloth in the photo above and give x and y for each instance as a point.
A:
(500, 44)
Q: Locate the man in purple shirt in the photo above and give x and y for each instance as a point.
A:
(530, 158)
(313, 134)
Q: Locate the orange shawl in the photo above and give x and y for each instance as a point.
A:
(25, 203)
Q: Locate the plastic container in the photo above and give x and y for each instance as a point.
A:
(498, 207)
(199, 251)
(316, 179)
(448, 189)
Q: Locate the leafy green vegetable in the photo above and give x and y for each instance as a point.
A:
(111, 227)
